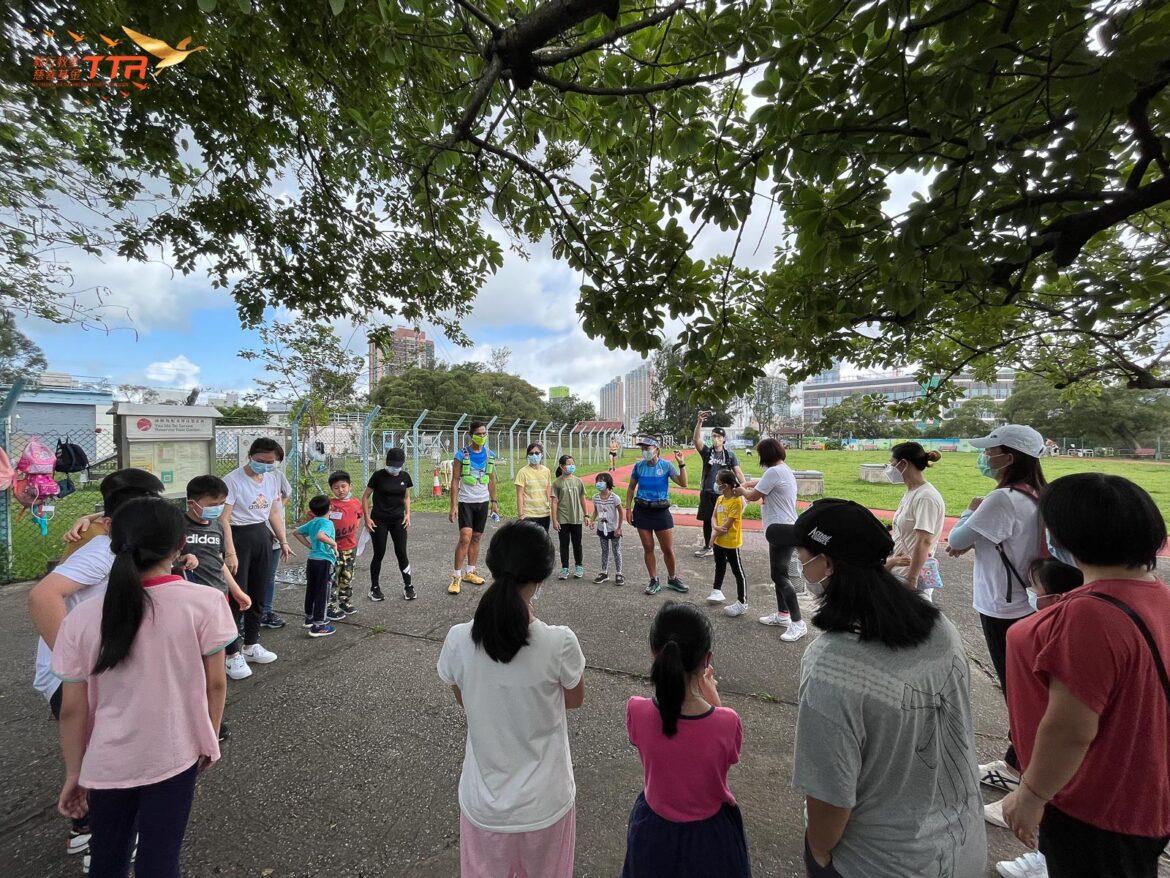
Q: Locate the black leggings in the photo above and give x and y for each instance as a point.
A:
(570, 532)
(723, 559)
(1073, 849)
(995, 635)
(778, 559)
(253, 545)
(397, 533)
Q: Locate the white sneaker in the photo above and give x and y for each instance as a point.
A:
(237, 668)
(715, 597)
(999, 776)
(258, 654)
(775, 619)
(993, 814)
(736, 609)
(796, 630)
(1030, 865)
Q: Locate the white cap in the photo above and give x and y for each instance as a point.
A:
(1015, 436)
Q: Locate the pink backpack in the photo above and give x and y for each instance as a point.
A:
(34, 475)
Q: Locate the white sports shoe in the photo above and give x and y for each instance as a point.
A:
(999, 776)
(736, 609)
(258, 654)
(237, 668)
(775, 619)
(795, 631)
(993, 814)
(715, 597)
(1030, 865)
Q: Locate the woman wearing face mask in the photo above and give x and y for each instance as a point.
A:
(885, 749)
(918, 522)
(252, 516)
(389, 489)
(534, 489)
(1004, 530)
(648, 510)
(1089, 694)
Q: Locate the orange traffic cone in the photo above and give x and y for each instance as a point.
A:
(437, 490)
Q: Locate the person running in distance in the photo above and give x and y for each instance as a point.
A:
(473, 495)
(648, 510)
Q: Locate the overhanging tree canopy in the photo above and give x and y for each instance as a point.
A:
(347, 161)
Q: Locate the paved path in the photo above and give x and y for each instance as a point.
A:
(345, 753)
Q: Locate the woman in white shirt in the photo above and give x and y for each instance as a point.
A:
(515, 676)
(777, 489)
(918, 522)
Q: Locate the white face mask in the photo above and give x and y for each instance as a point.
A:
(815, 587)
(894, 475)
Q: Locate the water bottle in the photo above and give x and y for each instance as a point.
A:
(495, 516)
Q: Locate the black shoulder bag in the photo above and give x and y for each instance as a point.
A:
(1145, 632)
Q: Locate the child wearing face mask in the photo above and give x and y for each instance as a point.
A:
(568, 514)
(607, 520)
(203, 533)
(533, 488)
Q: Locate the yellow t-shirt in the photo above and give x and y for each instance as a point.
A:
(729, 511)
(535, 480)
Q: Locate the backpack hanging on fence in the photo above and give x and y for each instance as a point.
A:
(71, 457)
(34, 481)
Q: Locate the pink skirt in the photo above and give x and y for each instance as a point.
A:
(543, 853)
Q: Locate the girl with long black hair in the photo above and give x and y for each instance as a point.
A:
(143, 688)
(515, 676)
(686, 822)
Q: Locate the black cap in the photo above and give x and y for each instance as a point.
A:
(395, 457)
(719, 431)
(843, 530)
(133, 482)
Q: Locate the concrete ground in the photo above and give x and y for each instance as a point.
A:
(345, 753)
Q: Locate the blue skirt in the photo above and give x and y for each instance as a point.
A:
(657, 847)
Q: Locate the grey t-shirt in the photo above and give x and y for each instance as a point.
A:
(888, 734)
(205, 542)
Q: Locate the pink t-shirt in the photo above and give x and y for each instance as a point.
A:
(148, 717)
(686, 775)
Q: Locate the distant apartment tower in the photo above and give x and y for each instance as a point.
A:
(558, 396)
(408, 347)
(639, 395)
(613, 405)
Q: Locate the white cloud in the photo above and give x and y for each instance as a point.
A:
(176, 372)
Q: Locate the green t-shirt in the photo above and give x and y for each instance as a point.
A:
(569, 492)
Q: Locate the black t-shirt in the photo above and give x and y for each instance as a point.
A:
(713, 462)
(389, 495)
(205, 542)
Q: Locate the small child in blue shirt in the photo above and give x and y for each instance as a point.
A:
(319, 535)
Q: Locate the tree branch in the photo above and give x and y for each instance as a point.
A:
(1139, 121)
(482, 16)
(668, 85)
(549, 57)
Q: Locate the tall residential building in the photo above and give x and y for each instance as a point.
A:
(408, 347)
(613, 404)
(639, 394)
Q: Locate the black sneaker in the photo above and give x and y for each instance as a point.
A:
(271, 620)
(347, 608)
(653, 587)
(676, 584)
(601, 577)
(376, 594)
(334, 615)
(619, 580)
(224, 734)
(408, 592)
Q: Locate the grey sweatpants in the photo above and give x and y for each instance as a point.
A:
(617, 553)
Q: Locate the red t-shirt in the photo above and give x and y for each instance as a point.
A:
(1097, 652)
(345, 515)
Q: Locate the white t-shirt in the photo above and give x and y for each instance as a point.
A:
(517, 770)
(89, 567)
(251, 501)
(778, 485)
(1012, 518)
(920, 508)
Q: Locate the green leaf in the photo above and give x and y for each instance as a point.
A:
(207, 5)
(337, 6)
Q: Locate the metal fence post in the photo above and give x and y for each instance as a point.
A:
(365, 443)
(560, 433)
(528, 439)
(294, 458)
(544, 436)
(7, 573)
(414, 433)
(512, 448)
(455, 434)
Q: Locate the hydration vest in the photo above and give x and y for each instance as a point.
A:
(468, 476)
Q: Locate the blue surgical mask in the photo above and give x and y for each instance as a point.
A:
(985, 467)
(647, 454)
(394, 470)
(534, 459)
(1033, 598)
(260, 467)
(210, 513)
(1060, 553)
(571, 468)
(601, 486)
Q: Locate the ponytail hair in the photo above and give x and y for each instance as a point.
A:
(680, 638)
(915, 454)
(143, 534)
(519, 554)
(561, 464)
